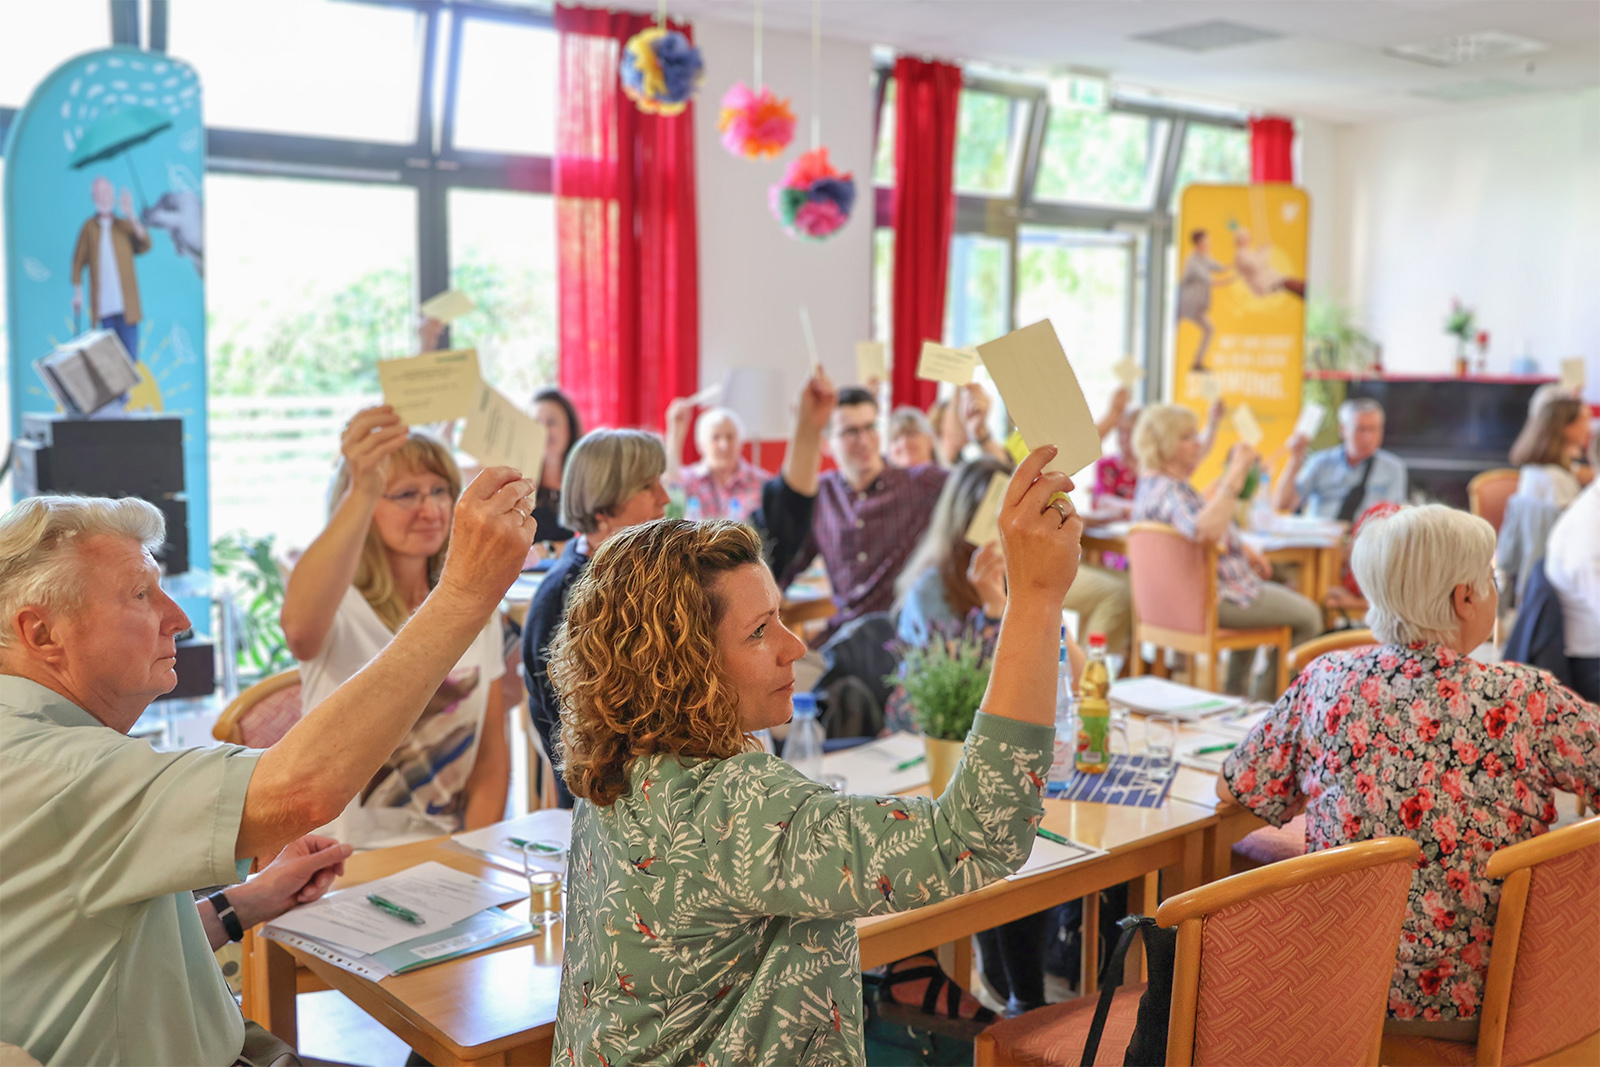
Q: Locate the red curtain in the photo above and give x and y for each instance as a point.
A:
(1271, 149)
(627, 266)
(926, 98)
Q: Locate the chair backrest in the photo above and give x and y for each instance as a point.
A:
(1289, 963)
(1487, 494)
(1542, 995)
(1300, 656)
(1173, 579)
(262, 714)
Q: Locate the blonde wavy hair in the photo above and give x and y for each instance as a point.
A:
(421, 453)
(635, 664)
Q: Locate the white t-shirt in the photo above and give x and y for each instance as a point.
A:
(1572, 563)
(1549, 483)
(420, 792)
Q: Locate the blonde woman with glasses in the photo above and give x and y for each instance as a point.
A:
(712, 889)
(368, 571)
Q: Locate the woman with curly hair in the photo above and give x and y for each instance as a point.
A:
(712, 887)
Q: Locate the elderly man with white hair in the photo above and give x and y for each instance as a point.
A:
(1343, 482)
(1415, 738)
(727, 485)
(107, 957)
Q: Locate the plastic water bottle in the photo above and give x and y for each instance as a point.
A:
(803, 746)
(692, 510)
(735, 510)
(764, 735)
(1066, 729)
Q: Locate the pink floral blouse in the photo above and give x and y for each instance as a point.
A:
(1422, 742)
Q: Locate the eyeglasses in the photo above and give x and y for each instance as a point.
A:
(412, 499)
(848, 433)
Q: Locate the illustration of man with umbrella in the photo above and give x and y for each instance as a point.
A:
(108, 242)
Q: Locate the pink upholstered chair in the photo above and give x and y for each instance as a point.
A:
(1488, 492)
(1288, 964)
(262, 714)
(1174, 584)
(1541, 1001)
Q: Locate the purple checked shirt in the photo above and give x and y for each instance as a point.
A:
(866, 537)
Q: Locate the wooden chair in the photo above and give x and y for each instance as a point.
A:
(262, 714)
(1273, 844)
(1488, 492)
(1541, 1000)
(1174, 584)
(1288, 964)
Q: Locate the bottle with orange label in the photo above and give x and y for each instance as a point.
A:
(1094, 710)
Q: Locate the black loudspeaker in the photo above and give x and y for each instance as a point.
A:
(174, 554)
(136, 456)
(197, 669)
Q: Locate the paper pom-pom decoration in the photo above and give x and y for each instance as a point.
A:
(813, 200)
(755, 124)
(661, 70)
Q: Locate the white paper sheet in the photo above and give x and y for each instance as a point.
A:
(498, 433)
(1245, 424)
(1157, 696)
(940, 364)
(869, 769)
(871, 362)
(1047, 855)
(494, 842)
(1042, 395)
(432, 387)
(447, 306)
(1310, 421)
(440, 895)
(985, 525)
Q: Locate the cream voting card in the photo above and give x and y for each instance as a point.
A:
(940, 364)
(1572, 375)
(1210, 387)
(1245, 424)
(985, 525)
(500, 434)
(447, 306)
(1042, 395)
(871, 364)
(432, 387)
(1310, 421)
(1128, 371)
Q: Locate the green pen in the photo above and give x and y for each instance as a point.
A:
(907, 764)
(1208, 750)
(396, 910)
(537, 846)
(1051, 835)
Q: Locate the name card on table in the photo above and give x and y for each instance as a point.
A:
(1042, 395)
(940, 364)
(500, 434)
(432, 387)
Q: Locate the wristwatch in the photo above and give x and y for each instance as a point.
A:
(226, 916)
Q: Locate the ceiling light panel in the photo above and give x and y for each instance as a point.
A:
(1462, 48)
(1208, 36)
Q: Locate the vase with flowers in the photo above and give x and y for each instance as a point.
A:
(943, 680)
(1458, 324)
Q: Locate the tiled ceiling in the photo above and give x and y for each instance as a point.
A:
(1322, 59)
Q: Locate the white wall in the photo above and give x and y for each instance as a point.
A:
(1499, 206)
(753, 277)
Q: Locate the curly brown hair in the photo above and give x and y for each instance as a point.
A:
(635, 664)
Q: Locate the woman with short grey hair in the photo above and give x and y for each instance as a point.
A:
(612, 482)
(1414, 738)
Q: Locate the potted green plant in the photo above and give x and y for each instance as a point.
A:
(943, 682)
(246, 563)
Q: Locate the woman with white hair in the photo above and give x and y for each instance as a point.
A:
(727, 485)
(1415, 738)
(612, 482)
(1168, 444)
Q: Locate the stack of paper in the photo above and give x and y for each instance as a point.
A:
(1048, 855)
(1157, 696)
(457, 912)
(497, 843)
(891, 764)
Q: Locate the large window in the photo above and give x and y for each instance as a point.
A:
(39, 36)
(503, 252)
(1099, 157)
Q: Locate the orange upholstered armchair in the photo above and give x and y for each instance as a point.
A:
(1287, 964)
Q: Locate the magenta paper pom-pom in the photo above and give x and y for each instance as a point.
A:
(755, 124)
(813, 200)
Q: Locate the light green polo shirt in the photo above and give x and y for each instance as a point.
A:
(103, 959)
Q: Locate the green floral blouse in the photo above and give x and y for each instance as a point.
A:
(710, 910)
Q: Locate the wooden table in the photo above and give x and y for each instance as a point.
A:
(499, 1006)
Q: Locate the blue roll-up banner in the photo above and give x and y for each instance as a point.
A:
(103, 200)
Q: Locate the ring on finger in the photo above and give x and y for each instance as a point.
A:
(1060, 507)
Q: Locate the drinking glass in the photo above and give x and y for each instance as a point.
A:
(1160, 746)
(545, 871)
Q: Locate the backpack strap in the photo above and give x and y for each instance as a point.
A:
(1130, 925)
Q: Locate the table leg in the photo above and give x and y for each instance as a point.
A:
(1192, 869)
(273, 976)
(1089, 970)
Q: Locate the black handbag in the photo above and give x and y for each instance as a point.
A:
(1148, 1047)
